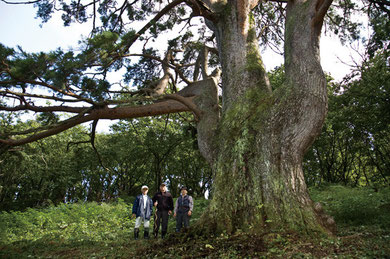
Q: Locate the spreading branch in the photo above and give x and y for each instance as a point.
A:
(153, 21)
(182, 101)
(158, 103)
(16, 80)
(39, 96)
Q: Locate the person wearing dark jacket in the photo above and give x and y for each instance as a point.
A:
(142, 210)
(183, 209)
(164, 202)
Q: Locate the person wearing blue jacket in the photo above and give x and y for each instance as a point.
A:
(142, 210)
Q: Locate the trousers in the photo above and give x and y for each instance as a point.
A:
(139, 220)
(161, 216)
(182, 219)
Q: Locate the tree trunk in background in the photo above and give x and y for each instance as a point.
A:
(262, 135)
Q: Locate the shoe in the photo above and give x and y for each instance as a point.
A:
(136, 233)
(146, 233)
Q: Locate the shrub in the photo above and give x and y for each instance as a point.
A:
(79, 221)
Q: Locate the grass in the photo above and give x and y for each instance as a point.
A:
(93, 230)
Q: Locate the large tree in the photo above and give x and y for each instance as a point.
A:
(255, 142)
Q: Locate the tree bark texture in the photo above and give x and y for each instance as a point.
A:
(263, 134)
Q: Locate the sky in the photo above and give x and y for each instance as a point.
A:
(18, 26)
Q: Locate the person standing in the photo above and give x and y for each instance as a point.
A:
(183, 209)
(163, 201)
(142, 211)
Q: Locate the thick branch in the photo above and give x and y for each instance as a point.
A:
(180, 102)
(50, 132)
(163, 82)
(199, 8)
(164, 63)
(322, 7)
(204, 61)
(159, 108)
(187, 102)
(207, 102)
(305, 108)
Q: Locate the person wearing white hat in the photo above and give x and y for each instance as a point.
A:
(142, 211)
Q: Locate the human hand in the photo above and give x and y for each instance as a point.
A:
(169, 212)
(174, 215)
(155, 204)
(189, 213)
(133, 216)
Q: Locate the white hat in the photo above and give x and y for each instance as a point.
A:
(144, 187)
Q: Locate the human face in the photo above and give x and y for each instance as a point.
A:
(145, 191)
(183, 192)
(163, 188)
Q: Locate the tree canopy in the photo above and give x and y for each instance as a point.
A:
(352, 146)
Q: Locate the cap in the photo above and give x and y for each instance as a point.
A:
(183, 188)
(163, 184)
(144, 187)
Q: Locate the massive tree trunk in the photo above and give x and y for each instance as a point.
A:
(262, 134)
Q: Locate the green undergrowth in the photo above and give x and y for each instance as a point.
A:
(355, 207)
(72, 222)
(92, 230)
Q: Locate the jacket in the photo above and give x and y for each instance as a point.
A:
(164, 200)
(184, 204)
(138, 207)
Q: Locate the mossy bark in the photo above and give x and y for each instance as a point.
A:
(263, 134)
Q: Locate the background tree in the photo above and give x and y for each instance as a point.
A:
(157, 150)
(66, 168)
(40, 173)
(354, 140)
